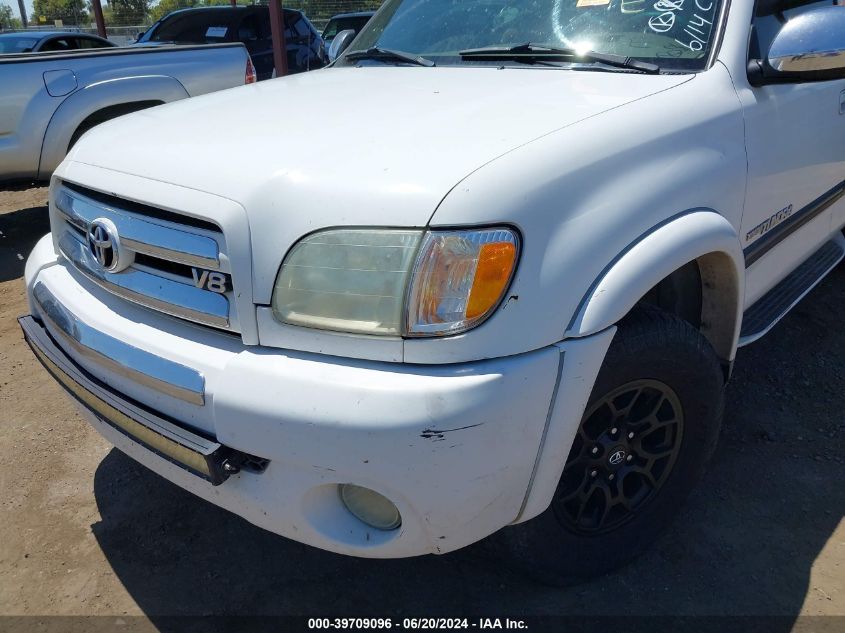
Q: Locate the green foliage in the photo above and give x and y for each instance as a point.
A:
(166, 6)
(68, 11)
(126, 12)
(8, 21)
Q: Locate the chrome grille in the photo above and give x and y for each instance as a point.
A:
(163, 250)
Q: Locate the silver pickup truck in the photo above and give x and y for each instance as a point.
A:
(48, 100)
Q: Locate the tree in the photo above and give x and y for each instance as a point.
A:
(166, 6)
(8, 21)
(68, 11)
(127, 12)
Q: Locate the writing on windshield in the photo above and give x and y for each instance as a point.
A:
(671, 33)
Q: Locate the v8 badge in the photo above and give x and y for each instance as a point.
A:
(207, 280)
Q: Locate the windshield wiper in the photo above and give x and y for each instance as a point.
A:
(388, 53)
(532, 52)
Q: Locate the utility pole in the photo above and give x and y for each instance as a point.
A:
(98, 17)
(277, 31)
(23, 13)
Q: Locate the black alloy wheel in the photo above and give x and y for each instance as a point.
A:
(651, 423)
(625, 449)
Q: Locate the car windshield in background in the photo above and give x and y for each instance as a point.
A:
(194, 27)
(17, 43)
(673, 34)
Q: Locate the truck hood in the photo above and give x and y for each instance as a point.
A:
(378, 145)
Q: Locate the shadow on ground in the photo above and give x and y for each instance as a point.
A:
(19, 231)
(21, 185)
(744, 544)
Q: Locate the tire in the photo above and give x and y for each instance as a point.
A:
(576, 539)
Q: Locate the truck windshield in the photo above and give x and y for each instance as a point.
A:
(674, 34)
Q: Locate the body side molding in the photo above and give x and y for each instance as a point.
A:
(778, 234)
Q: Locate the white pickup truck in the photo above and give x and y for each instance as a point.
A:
(508, 302)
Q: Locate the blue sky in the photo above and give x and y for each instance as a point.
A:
(14, 5)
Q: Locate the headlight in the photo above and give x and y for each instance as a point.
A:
(395, 282)
(347, 280)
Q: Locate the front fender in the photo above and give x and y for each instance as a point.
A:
(699, 235)
(97, 96)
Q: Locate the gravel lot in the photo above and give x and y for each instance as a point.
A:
(87, 531)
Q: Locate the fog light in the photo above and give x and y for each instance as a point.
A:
(372, 508)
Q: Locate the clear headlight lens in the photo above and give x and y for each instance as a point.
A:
(396, 282)
(347, 280)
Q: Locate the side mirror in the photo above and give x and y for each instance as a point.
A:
(340, 43)
(809, 47)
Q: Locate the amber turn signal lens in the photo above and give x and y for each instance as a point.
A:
(459, 279)
(495, 264)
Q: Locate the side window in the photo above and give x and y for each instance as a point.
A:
(59, 44)
(89, 42)
(331, 29)
(263, 20)
(248, 30)
(770, 17)
(265, 31)
(295, 26)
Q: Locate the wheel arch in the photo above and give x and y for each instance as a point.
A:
(107, 114)
(99, 97)
(702, 239)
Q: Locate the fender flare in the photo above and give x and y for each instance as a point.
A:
(701, 235)
(97, 96)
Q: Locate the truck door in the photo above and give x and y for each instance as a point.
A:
(795, 134)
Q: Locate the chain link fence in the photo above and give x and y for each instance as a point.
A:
(320, 11)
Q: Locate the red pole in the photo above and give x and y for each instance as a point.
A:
(234, 3)
(277, 31)
(98, 17)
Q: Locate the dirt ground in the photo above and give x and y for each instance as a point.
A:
(85, 530)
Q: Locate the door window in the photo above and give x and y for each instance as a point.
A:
(60, 44)
(90, 42)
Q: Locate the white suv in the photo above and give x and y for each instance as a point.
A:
(510, 298)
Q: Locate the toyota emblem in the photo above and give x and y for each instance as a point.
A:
(104, 244)
(616, 457)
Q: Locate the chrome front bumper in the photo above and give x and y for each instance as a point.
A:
(460, 449)
(203, 457)
(154, 372)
